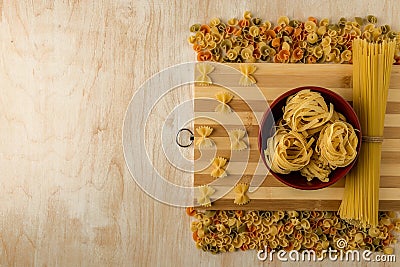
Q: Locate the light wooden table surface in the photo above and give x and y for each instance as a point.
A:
(68, 70)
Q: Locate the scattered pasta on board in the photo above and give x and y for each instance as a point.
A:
(241, 197)
(204, 194)
(204, 141)
(224, 98)
(247, 77)
(236, 138)
(219, 164)
(204, 70)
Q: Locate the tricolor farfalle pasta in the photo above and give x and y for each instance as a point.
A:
(290, 230)
(288, 40)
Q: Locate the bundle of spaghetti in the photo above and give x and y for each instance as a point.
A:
(372, 65)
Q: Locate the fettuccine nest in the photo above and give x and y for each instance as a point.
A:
(307, 118)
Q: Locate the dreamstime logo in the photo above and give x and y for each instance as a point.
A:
(155, 182)
(330, 253)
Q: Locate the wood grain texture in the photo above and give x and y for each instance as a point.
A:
(68, 69)
(249, 105)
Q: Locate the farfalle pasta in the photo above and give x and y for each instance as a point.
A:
(247, 77)
(295, 231)
(204, 141)
(236, 138)
(218, 165)
(245, 35)
(204, 69)
(241, 197)
(224, 98)
(204, 194)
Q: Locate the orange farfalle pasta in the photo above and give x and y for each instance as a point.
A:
(203, 141)
(191, 211)
(283, 55)
(298, 54)
(241, 197)
(219, 167)
(224, 98)
(204, 56)
(247, 78)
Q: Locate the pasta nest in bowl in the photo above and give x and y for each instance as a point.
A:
(315, 140)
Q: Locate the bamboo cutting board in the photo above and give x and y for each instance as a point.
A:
(272, 81)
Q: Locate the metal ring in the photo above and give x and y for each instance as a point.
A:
(191, 137)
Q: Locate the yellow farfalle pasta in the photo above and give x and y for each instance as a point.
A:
(232, 54)
(283, 21)
(312, 38)
(306, 110)
(204, 69)
(247, 78)
(203, 141)
(287, 151)
(247, 15)
(204, 194)
(232, 22)
(337, 144)
(224, 98)
(310, 26)
(247, 54)
(215, 22)
(236, 137)
(219, 167)
(241, 197)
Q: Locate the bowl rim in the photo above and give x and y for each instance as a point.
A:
(321, 90)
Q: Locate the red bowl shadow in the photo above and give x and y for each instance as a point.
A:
(295, 179)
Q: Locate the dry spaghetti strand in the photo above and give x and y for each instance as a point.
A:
(372, 65)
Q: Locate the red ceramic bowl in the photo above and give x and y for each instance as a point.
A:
(275, 112)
